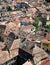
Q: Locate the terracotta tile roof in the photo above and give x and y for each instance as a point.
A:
(32, 9)
(2, 46)
(16, 22)
(15, 44)
(47, 62)
(11, 27)
(39, 54)
(28, 63)
(26, 19)
(39, 32)
(38, 51)
(4, 56)
(31, 12)
(41, 9)
(46, 39)
(27, 27)
(15, 48)
(35, 4)
(20, 0)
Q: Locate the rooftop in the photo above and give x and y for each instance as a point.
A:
(47, 62)
(46, 39)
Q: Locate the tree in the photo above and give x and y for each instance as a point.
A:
(37, 21)
(9, 8)
(47, 26)
(45, 3)
(35, 24)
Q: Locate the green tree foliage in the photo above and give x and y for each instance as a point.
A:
(35, 24)
(37, 20)
(18, 9)
(45, 3)
(9, 8)
(47, 26)
(36, 29)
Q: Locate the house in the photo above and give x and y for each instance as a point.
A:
(2, 46)
(27, 19)
(10, 42)
(11, 27)
(39, 55)
(34, 53)
(28, 28)
(15, 48)
(5, 56)
(17, 22)
(46, 43)
(31, 12)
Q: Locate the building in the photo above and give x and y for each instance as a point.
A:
(46, 43)
(39, 55)
(28, 28)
